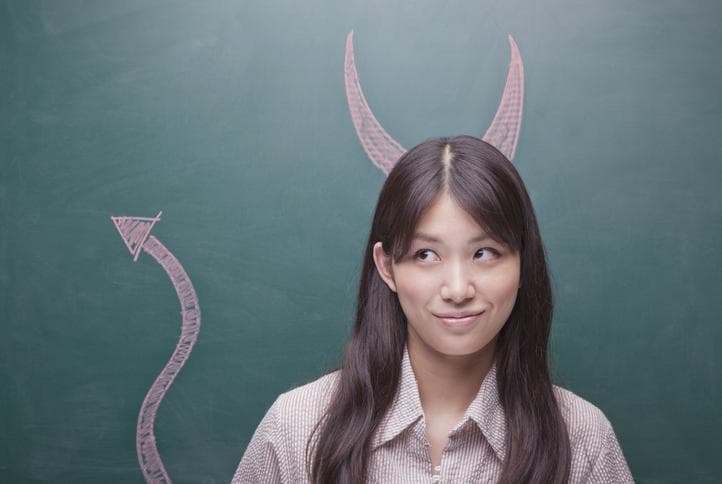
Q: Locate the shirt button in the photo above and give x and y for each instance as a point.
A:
(435, 479)
(437, 468)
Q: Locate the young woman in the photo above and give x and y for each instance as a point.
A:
(445, 378)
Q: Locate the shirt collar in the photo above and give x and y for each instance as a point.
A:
(485, 410)
(405, 409)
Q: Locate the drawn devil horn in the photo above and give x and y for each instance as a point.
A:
(380, 147)
(503, 133)
(384, 151)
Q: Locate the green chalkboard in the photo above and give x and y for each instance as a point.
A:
(230, 118)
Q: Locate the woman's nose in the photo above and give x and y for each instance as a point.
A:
(458, 285)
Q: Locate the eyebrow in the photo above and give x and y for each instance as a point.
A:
(428, 238)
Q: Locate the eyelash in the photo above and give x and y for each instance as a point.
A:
(418, 253)
(491, 250)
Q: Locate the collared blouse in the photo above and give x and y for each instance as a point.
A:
(474, 452)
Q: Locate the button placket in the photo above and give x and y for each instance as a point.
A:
(436, 477)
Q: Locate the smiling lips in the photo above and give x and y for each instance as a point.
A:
(460, 319)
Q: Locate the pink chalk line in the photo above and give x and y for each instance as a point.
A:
(384, 151)
(135, 232)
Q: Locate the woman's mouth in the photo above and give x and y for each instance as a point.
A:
(459, 320)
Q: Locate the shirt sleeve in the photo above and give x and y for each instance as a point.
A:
(262, 460)
(610, 465)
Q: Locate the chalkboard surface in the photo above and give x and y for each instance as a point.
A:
(230, 118)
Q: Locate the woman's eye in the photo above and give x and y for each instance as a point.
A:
(487, 253)
(426, 255)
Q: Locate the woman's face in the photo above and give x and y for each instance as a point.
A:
(456, 285)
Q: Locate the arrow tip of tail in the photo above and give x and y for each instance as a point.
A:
(134, 231)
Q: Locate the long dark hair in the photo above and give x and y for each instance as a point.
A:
(486, 185)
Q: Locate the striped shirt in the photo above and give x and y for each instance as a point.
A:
(474, 452)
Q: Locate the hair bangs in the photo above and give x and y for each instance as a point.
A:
(409, 190)
(483, 187)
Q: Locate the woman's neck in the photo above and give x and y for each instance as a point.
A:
(448, 384)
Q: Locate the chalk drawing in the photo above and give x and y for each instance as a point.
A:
(384, 151)
(135, 232)
(381, 148)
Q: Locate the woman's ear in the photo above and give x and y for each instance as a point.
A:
(383, 266)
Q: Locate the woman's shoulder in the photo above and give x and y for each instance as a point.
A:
(595, 449)
(277, 450)
(587, 424)
(296, 413)
(582, 414)
(307, 402)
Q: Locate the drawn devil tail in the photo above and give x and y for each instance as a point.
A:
(135, 232)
